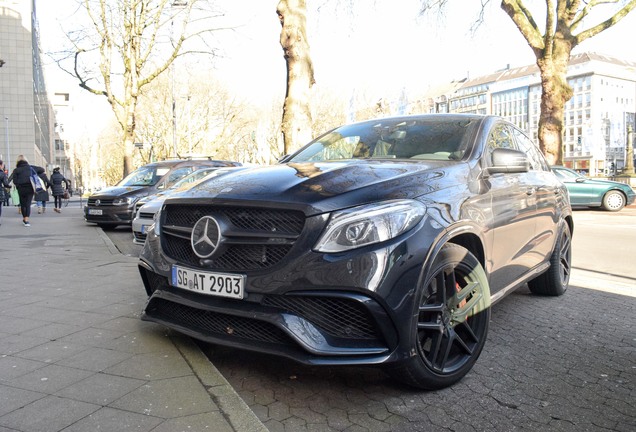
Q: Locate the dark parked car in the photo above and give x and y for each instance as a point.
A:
(587, 192)
(115, 205)
(383, 242)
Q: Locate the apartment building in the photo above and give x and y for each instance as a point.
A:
(28, 118)
(597, 117)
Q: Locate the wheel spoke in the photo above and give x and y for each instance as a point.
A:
(450, 286)
(565, 255)
(445, 348)
(463, 306)
(430, 326)
(460, 341)
(431, 308)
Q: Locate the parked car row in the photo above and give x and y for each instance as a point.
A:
(114, 206)
(147, 207)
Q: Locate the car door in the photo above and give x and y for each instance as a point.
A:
(546, 192)
(513, 207)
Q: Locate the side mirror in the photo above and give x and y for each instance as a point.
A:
(506, 160)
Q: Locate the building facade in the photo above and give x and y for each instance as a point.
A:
(597, 117)
(28, 117)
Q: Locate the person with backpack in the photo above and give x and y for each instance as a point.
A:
(57, 188)
(21, 178)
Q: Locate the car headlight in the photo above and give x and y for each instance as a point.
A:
(369, 224)
(124, 201)
(156, 223)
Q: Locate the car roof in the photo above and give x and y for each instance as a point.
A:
(191, 162)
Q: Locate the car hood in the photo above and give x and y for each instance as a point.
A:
(153, 205)
(327, 186)
(604, 183)
(119, 191)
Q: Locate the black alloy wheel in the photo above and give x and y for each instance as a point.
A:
(452, 321)
(555, 281)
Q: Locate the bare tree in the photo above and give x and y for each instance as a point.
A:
(296, 122)
(135, 41)
(562, 25)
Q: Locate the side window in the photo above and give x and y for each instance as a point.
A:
(175, 175)
(537, 161)
(500, 137)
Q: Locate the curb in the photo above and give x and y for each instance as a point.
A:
(231, 405)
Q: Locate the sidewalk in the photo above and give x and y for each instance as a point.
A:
(74, 355)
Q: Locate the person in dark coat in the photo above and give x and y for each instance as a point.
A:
(59, 184)
(21, 178)
(4, 183)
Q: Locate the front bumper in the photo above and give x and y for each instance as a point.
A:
(140, 228)
(323, 309)
(108, 215)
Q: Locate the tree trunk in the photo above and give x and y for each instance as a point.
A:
(296, 121)
(129, 141)
(555, 93)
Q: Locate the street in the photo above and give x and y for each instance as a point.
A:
(550, 364)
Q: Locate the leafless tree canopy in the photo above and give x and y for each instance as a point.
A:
(129, 43)
(552, 31)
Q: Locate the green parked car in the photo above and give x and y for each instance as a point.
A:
(587, 192)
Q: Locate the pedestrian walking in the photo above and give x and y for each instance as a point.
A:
(59, 185)
(4, 183)
(42, 197)
(21, 178)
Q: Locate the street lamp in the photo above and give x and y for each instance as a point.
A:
(6, 137)
(177, 4)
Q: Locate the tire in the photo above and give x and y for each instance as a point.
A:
(554, 282)
(613, 201)
(451, 325)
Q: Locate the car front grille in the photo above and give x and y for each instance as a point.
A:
(258, 238)
(340, 317)
(102, 201)
(216, 324)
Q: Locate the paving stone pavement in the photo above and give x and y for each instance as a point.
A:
(74, 355)
(550, 364)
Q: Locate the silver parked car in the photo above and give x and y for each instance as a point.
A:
(146, 208)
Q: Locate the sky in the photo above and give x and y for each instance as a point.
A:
(383, 47)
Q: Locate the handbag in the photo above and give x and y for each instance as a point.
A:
(15, 196)
(36, 182)
(66, 195)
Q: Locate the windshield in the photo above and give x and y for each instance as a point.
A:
(144, 176)
(193, 177)
(432, 138)
(565, 174)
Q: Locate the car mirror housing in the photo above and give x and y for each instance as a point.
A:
(505, 160)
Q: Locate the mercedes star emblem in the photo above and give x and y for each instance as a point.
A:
(205, 236)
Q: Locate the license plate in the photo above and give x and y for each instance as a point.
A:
(209, 283)
(97, 212)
